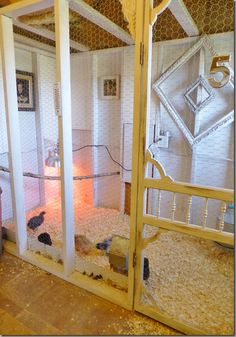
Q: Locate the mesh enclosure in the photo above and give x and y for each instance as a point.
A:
(187, 278)
(189, 274)
(102, 93)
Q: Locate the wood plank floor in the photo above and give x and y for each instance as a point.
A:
(34, 302)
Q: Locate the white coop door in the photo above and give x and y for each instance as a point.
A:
(182, 189)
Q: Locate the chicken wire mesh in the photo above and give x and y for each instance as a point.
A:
(187, 278)
(211, 161)
(98, 188)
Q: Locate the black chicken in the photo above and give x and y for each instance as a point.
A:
(36, 221)
(45, 238)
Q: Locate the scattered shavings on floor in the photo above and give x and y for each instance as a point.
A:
(192, 279)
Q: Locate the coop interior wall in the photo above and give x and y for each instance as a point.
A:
(109, 122)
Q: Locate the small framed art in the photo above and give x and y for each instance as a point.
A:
(25, 90)
(110, 87)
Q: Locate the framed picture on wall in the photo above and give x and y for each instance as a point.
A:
(110, 87)
(25, 91)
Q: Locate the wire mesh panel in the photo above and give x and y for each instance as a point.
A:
(188, 276)
(190, 140)
(97, 84)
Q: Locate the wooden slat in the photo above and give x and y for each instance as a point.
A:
(173, 206)
(205, 213)
(182, 15)
(127, 198)
(100, 20)
(49, 35)
(222, 216)
(25, 7)
(188, 217)
(177, 226)
(13, 130)
(65, 131)
(187, 188)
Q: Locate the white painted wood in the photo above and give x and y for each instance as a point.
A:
(222, 216)
(168, 184)
(49, 35)
(205, 213)
(25, 43)
(159, 203)
(158, 10)
(182, 15)
(173, 206)
(13, 130)
(39, 126)
(25, 7)
(140, 169)
(65, 130)
(136, 146)
(191, 229)
(97, 287)
(100, 20)
(188, 218)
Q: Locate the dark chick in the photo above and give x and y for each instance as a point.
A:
(36, 221)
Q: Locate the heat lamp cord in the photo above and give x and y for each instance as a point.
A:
(109, 153)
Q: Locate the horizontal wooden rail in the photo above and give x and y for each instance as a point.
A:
(195, 230)
(167, 184)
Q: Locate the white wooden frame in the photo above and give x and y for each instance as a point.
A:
(144, 14)
(141, 156)
(221, 123)
(24, 247)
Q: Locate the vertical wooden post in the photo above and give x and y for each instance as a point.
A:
(143, 136)
(65, 130)
(13, 130)
(143, 53)
(38, 124)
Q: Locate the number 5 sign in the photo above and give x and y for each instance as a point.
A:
(218, 66)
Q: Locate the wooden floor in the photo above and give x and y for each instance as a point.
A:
(33, 302)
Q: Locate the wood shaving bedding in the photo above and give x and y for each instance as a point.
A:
(192, 278)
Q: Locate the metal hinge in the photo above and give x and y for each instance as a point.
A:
(141, 53)
(134, 259)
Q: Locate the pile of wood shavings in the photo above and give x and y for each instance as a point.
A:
(193, 280)
(96, 224)
(136, 324)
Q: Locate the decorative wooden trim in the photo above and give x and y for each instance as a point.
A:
(195, 107)
(150, 158)
(158, 10)
(129, 11)
(182, 15)
(204, 41)
(100, 20)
